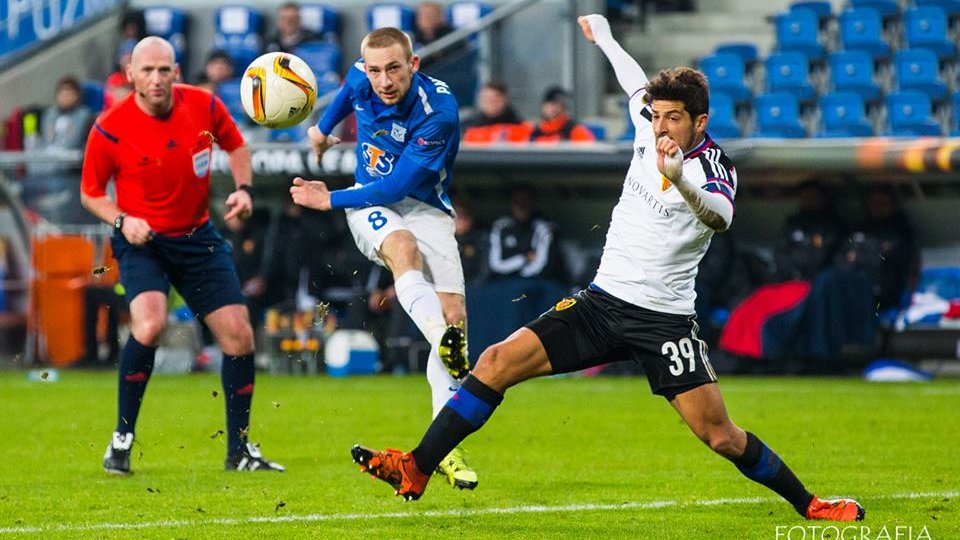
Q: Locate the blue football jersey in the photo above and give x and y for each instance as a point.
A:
(424, 127)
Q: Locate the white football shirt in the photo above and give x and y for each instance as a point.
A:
(655, 242)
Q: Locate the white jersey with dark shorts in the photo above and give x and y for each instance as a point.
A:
(640, 305)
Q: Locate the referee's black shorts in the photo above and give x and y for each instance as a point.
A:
(593, 328)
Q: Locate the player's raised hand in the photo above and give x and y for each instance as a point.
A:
(310, 194)
(320, 142)
(669, 158)
(239, 205)
(594, 27)
(137, 231)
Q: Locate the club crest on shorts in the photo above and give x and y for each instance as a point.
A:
(565, 303)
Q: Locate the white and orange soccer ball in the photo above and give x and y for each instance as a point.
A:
(278, 90)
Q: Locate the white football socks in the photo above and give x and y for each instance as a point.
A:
(442, 385)
(419, 299)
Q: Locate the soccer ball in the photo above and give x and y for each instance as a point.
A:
(278, 90)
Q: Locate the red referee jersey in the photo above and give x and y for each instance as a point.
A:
(160, 165)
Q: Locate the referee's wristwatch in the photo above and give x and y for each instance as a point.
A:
(248, 188)
(118, 221)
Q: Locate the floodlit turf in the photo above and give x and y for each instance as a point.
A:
(562, 458)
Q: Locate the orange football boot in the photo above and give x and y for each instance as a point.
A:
(835, 509)
(393, 467)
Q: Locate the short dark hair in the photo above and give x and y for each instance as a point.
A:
(556, 93)
(69, 81)
(289, 5)
(681, 84)
(497, 86)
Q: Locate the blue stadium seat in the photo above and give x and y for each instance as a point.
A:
(910, 114)
(950, 7)
(91, 94)
(918, 69)
(886, 8)
(747, 52)
(170, 24)
(790, 72)
(396, 15)
(722, 123)
(322, 20)
(229, 92)
(238, 30)
(461, 14)
(822, 8)
(320, 56)
(926, 28)
(861, 29)
(778, 115)
(725, 74)
(797, 32)
(599, 130)
(852, 71)
(843, 115)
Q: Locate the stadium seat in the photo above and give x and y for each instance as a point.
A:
(238, 31)
(926, 28)
(322, 57)
(861, 29)
(822, 8)
(229, 92)
(909, 114)
(888, 9)
(396, 15)
(722, 123)
(797, 32)
(790, 72)
(778, 115)
(91, 94)
(918, 69)
(843, 115)
(599, 130)
(950, 7)
(852, 71)
(322, 20)
(725, 74)
(461, 14)
(747, 52)
(170, 24)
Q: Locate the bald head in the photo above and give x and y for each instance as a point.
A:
(153, 70)
(157, 47)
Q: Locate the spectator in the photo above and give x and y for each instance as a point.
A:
(474, 244)
(497, 121)
(884, 246)
(50, 188)
(117, 86)
(290, 31)
(217, 68)
(430, 25)
(811, 234)
(555, 123)
(522, 243)
(249, 239)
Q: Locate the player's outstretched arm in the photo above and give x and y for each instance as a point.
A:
(629, 73)
(712, 209)
(319, 135)
(310, 194)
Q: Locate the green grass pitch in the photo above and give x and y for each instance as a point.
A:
(562, 458)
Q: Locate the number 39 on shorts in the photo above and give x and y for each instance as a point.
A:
(682, 356)
(377, 219)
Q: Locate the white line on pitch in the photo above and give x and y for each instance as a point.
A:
(526, 509)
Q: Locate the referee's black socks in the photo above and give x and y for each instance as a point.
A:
(136, 366)
(463, 414)
(762, 465)
(237, 376)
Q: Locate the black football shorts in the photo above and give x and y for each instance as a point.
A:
(593, 328)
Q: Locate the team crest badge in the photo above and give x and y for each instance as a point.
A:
(565, 303)
(201, 163)
(665, 184)
(398, 132)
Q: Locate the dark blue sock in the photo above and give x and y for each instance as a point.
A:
(136, 365)
(463, 414)
(762, 465)
(237, 374)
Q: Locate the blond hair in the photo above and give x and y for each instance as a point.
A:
(382, 38)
